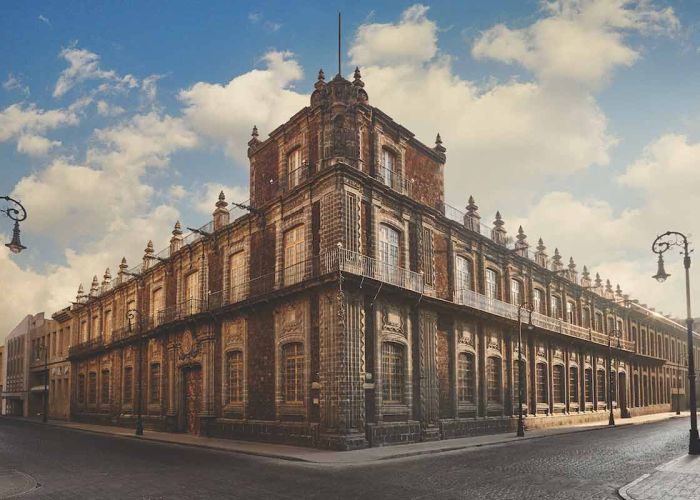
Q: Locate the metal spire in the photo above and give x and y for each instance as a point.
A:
(339, 49)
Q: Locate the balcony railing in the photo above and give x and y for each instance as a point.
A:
(510, 311)
(368, 267)
(87, 346)
(293, 178)
(394, 180)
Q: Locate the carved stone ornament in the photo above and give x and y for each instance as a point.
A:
(291, 321)
(558, 353)
(573, 356)
(234, 333)
(188, 346)
(587, 358)
(154, 348)
(541, 351)
(466, 336)
(494, 340)
(392, 320)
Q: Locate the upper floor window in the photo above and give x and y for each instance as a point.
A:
(599, 322)
(463, 278)
(556, 306)
(294, 173)
(538, 301)
(293, 376)
(192, 287)
(294, 255)
(157, 306)
(96, 326)
(491, 284)
(586, 317)
(516, 292)
(388, 168)
(388, 245)
(108, 323)
(352, 223)
(428, 274)
(571, 312)
(237, 276)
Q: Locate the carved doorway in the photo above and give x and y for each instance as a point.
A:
(192, 397)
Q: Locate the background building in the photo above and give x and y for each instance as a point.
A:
(59, 366)
(352, 306)
(17, 355)
(2, 378)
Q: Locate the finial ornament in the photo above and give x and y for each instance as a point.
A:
(177, 230)
(123, 264)
(254, 133)
(598, 281)
(358, 78)
(221, 203)
(149, 247)
(321, 75)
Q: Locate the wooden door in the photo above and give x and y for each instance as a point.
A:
(193, 394)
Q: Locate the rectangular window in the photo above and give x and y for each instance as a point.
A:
(463, 277)
(465, 378)
(516, 381)
(154, 379)
(541, 376)
(598, 322)
(493, 380)
(389, 254)
(556, 307)
(108, 324)
(538, 301)
(234, 363)
(586, 317)
(96, 332)
(294, 255)
(491, 284)
(428, 257)
(128, 385)
(92, 388)
(193, 294)
(81, 388)
(104, 396)
(294, 171)
(388, 168)
(515, 292)
(600, 380)
(571, 312)
(352, 223)
(588, 385)
(293, 364)
(157, 307)
(392, 372)
(558, 383)
(237, 281)
(573, 384)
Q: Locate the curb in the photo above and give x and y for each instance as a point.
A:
(396, 456)
(623, 490)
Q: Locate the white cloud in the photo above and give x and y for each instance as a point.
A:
(263, 97)
(106, 109)
(44, 19)
(14, 82)
(177, 191)
(35, 145)
(84, 65)
(412, 40)
(579, 40)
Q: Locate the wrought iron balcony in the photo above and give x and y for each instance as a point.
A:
(87, 346)
(368, 267)
(509, 311)
(394, 180)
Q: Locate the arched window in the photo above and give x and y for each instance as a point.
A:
(493, 380)
(293, 366)
(541, 379)
(573, 384)
(588, 385)
(558, 382)
(600, 382)
(154, 383)
(393, 366)
(234, 373)
(104, 396)
(294, 255)
(466, 378)
(463, 278)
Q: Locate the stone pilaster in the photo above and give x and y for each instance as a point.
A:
(428, 390)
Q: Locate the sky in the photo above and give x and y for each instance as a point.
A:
(577, 119)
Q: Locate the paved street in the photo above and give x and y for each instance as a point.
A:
(591, 464)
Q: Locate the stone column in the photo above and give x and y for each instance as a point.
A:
(481, 358)
(172, 377)
(508, 406)
(427, 375)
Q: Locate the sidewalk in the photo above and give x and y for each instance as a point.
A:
(316, 456)
(678, 479)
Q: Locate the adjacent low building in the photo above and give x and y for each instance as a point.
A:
(2, 378)
(352, 306)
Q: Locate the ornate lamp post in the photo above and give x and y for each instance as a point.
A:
(612, 381)
(525, 305)
(17, 215)
(131, 314)
(661, 244)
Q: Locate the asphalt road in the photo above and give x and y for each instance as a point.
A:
(592, 464)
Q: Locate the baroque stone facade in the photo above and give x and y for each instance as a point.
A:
(352, 307)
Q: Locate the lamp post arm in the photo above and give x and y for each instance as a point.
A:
(16, 214)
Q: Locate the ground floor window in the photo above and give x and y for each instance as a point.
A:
(154, 389)
(128, 385)
(541, 378)
(392, 372)
(465, 378)
(493, 379)
(558, 383)
(92, 388)
(516, 381)
(293, 365)
(600, 381)
(81, 388)
(104, 397)
(234, 365)
(573, 384)
(588, 385)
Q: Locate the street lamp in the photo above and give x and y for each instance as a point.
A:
(17, 215)
(530, 308)
(44, 349)
(131, 315)
(613, 382)
(661, 244)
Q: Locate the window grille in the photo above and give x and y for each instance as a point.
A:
(600, 379)
(558, 383)
(234, 364)
(392, 372)
(465, 378)
(92, 388)
(105, 387)
(352, 216)
(491, 284)
(573, 384)
(154, 389)
(293, 357)
(541, 376)
(588, 385)
(493, 380)
(516, 380)
(428, 274)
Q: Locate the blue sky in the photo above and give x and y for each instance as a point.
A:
(577, 119)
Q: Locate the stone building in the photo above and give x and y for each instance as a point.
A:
(351, 307)
(14, 395)
(59, 338)
(2, 378)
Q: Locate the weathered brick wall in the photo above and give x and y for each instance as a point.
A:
(261, 364)
(443, 372)
(440, 259)
(427, 175)
(263, 169)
